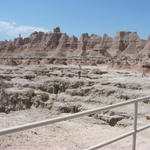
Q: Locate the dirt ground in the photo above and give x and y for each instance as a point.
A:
(76, 134)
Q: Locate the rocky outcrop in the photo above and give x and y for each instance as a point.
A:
(14, 101)
(146, 49)
(56, 44)
(58, 89)
(126, 41)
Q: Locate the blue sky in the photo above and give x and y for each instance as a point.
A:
(74, 17)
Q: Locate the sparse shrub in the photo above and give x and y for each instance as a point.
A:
(31, 93)
(44, 97)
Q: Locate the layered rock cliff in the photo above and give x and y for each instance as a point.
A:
(57, 44)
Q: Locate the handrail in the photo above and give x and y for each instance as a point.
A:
(88, 112)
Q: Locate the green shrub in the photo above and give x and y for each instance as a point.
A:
(31, 93)
(44, 97)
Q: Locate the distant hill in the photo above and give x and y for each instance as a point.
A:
(57, 44)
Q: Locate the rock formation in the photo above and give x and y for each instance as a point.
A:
(59, 45)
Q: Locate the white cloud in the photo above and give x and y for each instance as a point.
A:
(12, 30)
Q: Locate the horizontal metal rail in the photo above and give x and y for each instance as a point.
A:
(110, 141)
(117, 138)
(79, 114)
(67, 117)
(143, 128)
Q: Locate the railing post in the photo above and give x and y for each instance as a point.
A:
(135, 125)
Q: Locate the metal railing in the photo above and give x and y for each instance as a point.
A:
(88, 112)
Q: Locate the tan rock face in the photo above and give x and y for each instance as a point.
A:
(58, 44)
(147, 46)
(127, 41)
(82, 45)
(93, 41)
(72, 42)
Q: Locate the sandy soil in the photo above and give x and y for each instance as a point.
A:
(76, 134)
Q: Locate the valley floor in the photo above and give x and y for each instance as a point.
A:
(97, 87)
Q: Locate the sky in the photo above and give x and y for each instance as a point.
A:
(74, 17)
